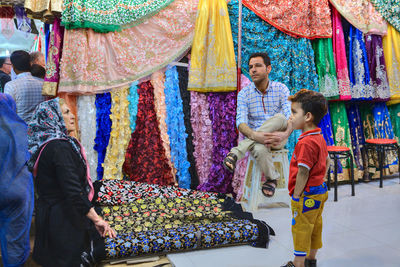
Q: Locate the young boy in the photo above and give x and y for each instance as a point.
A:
(308, 169)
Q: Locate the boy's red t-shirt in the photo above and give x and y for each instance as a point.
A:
(311, 152)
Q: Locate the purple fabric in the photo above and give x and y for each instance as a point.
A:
(23, 22)
(222, 114)
(54, 53)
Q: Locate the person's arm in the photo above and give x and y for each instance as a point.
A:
(301, 181)
(259, 137)
(101, 225)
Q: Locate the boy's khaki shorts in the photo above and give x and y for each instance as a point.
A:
(307, 223)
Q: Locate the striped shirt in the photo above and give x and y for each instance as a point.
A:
(254, 107)
(27, 93)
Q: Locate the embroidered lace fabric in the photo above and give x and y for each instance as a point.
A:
(45, 10)
(325, 65)
(119, 136)
(103, 129)
(362, 15)
(96, 62)
(133, 99)
(356, 133)
(158, 83)
(145, 159)
(176, 128)
(394, 112)
(106, 16)
(87, 125)
(390, 10)
(391, 48)
(213, 65)
(305, 18)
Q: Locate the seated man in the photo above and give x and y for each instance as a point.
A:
(262, 113)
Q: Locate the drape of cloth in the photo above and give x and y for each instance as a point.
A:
(158, 82)
(133, 99)
(109, 16)
(340, 58)
(87, 124)
(326, 70)
(119, 136)
(96, 62)
(213, 65)
(223, 120)
(44, 10)
(24, 23)
(362, 15)
(52, 76)
(377, 67)
(183, 75)
(390, 11)
(356, 134)
(145, 159)
(202, 134)
(16, 186)
(394, 112)
(176, 128)
(360, 79)
(103, 129)
(7, 12)
(305, 18)
(391, 52)
(341, 133)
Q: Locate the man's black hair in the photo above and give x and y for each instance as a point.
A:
(264, 56)
(21, 60)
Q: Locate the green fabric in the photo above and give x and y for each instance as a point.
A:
(109, 16)
(394, 111)
(325, 64)
(390, 10)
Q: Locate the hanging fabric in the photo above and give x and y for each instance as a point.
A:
(44, 10)
(391, 52)
(96, 62)
(133, 99)
(24, 24)
(213, 65)
(356, 134)
(394, 112)
(390, 10)
(362, 15)
(145, 159)
(109, 16)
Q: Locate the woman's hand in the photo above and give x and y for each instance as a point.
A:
(104, 228)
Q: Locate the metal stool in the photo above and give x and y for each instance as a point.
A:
(382, 145)
(336, 153)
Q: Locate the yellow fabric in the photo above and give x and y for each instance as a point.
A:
(213, 65)
(391, 51)
(119, 136)
(44, 10)
(307, 225)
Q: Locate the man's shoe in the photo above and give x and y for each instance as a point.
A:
(310, 263)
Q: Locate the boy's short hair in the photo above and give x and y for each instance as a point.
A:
(264, 56)
(312, 102)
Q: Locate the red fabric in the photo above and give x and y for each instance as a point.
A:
(145, 159)
(310, 150)
(381, 141)
(7, 12)
(302, 18)
(338, 148)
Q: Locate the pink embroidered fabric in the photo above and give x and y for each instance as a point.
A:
(362, 15)
(97, 62)
(302, 18)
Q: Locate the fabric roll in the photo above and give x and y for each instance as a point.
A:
(96, 62)
(390, 11)
(356, 134)
(119, 136)
(305, 18)
(213, 65)
(87, 124)
(103, 129)
(362, 15)
(109, 16)
(391, 51)
(394, 112)
(145, 159)
(133, 99)
(44, 10)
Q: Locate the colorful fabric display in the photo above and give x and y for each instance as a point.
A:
(305, 18)
(176, 127)
(24, 24)
(362, 15)
(145, 159)
(96, 62)
(45, 10)
(391, 51)
(390, 10)
(87, 124)
(109, 16)
(103, 129)
(213, 65)
(356, 134)
(325, 64)
(394, 112)
(52, 76)
(223, 117)
(133, 99)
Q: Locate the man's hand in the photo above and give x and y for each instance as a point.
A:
(275, 138)
(259, 137)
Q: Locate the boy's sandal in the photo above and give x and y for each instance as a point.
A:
(267, 186)
(231, 159)
(310, 263)
(289, 264)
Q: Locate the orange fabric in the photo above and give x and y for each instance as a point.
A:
(338, 149)
(381, 141)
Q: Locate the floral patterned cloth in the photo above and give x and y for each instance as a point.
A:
(94, 62)
(362, 15)
(106, 16)
(305, 18)
(390, 10)
(356, 134)
(145, 159)
(394, 112)
(391, 48)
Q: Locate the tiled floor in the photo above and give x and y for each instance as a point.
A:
(359, 231)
